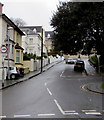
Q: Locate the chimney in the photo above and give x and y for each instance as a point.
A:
(1, 6)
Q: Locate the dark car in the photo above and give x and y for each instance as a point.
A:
(79, 65)
(70, 61)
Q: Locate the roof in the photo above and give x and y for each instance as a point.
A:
(12, 24)
(28, 31)
(49, 33)
(38, 28)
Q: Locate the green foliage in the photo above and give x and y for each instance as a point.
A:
(45, 55)
(79, 26)
(94, 60)
(102, 85)
(29, 56)
(38, 57)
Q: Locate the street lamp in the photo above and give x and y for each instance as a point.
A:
(42, 52)
(98, 63)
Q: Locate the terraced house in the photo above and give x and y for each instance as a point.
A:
(10, 36)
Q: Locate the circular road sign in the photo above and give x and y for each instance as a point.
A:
(4, 49)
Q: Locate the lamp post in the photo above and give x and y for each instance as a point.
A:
(8, 45)
(98, 63)
(42, 52)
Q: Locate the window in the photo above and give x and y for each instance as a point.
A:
(31, 40)
(12, 49)
(30, 50)
(17, 56)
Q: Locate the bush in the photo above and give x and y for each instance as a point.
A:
(102, 86)
(44, 55)
(94, 60)
(29, 56)
(38, 57)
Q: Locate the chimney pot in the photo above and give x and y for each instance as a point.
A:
(1, 6)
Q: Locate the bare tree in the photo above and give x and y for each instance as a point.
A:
(18, 21)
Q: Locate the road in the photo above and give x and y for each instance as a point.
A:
(56, 93)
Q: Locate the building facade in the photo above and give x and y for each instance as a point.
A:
(49, 40)
(31, 42)
(11, 37)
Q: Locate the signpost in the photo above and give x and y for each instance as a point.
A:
(3, 50)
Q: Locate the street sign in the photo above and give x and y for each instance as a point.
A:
(3, 49)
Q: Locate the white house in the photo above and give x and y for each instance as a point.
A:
(31, 42)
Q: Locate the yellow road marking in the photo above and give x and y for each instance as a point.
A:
(45, 114)
(74, 113)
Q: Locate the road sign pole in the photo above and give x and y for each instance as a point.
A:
(3, 71)
(3, 50)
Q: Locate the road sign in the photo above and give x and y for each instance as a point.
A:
(3, 49)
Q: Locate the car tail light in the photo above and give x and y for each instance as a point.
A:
(17, 70)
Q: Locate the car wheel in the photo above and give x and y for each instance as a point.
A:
(6, 77)
(13, 76)
(74, 69)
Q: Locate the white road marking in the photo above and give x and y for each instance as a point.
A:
(61, 73)
(2, 116)
(22, 115)
(92, 113)
(90, 100)
(88, 110)
(70, 111)
(46, 114)
(59, 107)
(45, 84)
(49, 91)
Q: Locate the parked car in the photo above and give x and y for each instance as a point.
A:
(12, 72)
(21, 72)
(79, 65)
(70, 61)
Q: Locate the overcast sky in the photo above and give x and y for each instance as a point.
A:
(33, 12)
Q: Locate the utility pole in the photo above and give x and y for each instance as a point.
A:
(42, 52)
(8, 45)
(8, 42)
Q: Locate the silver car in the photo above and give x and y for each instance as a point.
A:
(12, 72)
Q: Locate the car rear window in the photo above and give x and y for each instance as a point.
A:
(79, 63)
(11, 68)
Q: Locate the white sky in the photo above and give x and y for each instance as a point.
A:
(33, 12)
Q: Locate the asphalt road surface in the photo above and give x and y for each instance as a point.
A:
(56, 93)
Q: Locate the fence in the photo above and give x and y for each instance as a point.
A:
(33, 65)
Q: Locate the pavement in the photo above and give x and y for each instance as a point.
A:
(93, 87)
(9, 83)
